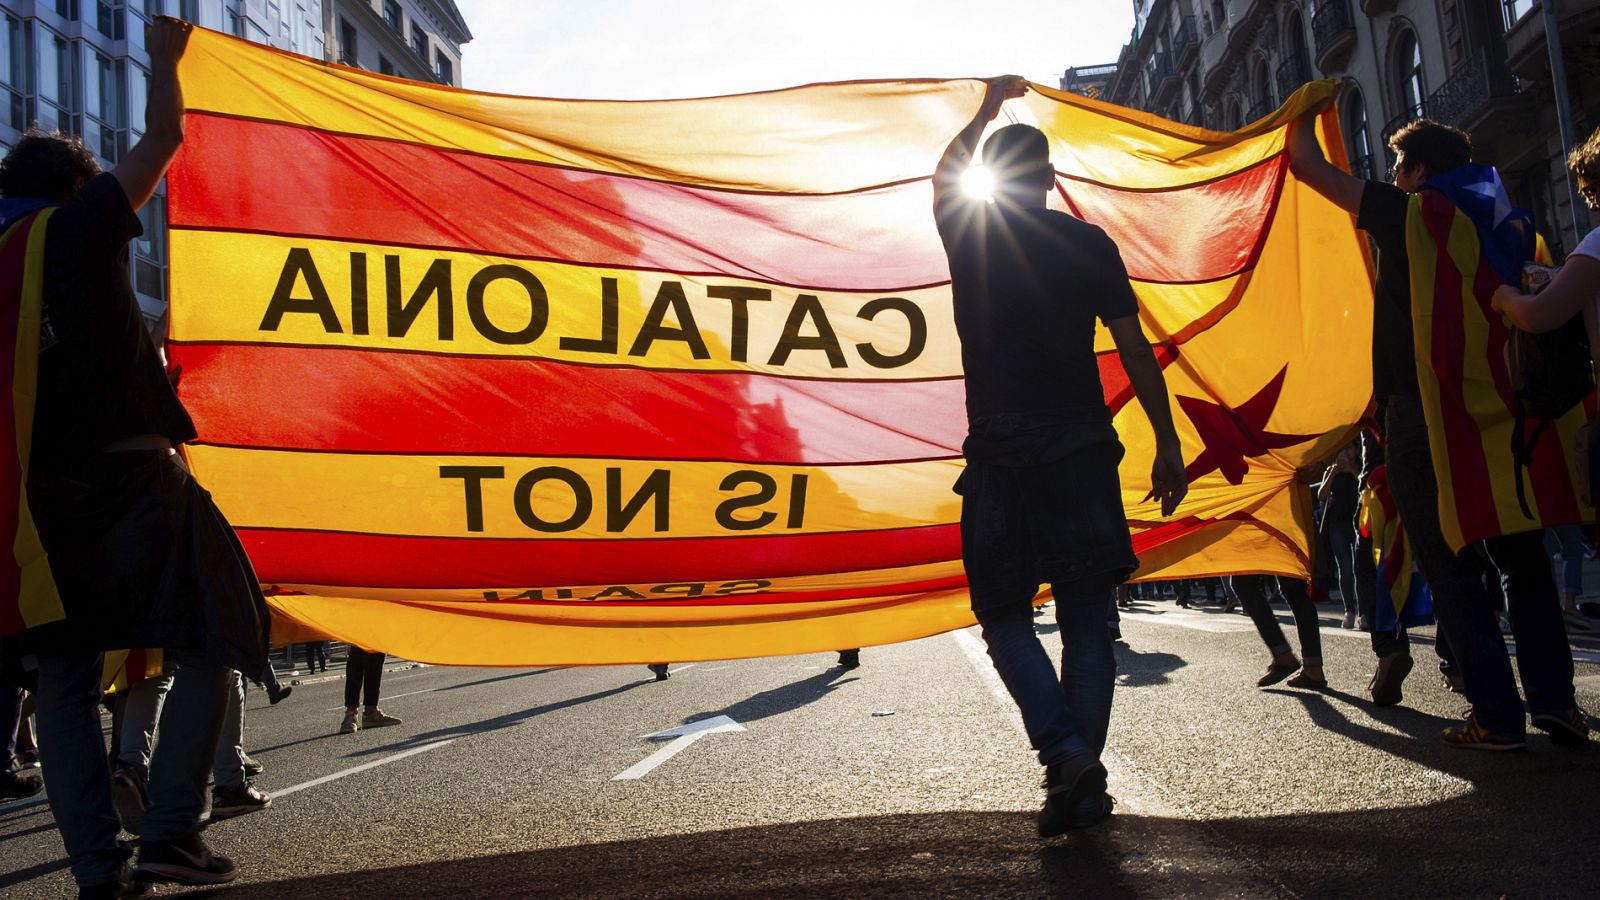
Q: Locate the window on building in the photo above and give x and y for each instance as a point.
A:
(1354, 121)
(1516, 9)
(67, 9)
(150, 248)
(385, 67)
(419, 41)
(347, 43)
(153, 8)
(14, 69)
(110, 19)
(104, 115)
(1408, 75)
(56, 82)
(1219, 15)
(444, 67)
(1234, 119)
(391, 14)
(1263, 84)
(138, 93)
(1298, 51)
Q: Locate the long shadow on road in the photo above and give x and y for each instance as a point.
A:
(780, 700)
(494, 724)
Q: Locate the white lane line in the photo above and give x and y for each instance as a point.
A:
(978, 655)
(684, 736)
(315, 782)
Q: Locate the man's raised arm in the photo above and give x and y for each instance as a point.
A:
(141, 168)
(958, 156)
(1311, 167)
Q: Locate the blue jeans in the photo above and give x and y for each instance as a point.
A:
(1569, 540)
(141, 709)
(227, 768)
(1251, 591)
(1066, 716)
(79, 780)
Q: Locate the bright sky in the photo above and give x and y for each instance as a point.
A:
(654, 49)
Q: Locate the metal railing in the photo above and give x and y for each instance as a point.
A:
(1160, 73)
(1185, 40)
(1469, 91)
(1292, 73)
(1332, 26)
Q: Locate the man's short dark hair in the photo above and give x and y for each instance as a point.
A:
(46, 164)
(1017, 154)
(1436, 147)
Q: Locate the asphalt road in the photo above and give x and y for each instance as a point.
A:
(908, 776)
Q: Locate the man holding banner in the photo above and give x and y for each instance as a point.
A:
(137, 554)
(1042, 501)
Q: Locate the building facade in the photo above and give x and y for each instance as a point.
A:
(1480, 65)
(80, 66)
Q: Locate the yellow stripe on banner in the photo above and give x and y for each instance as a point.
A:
(266, 289)
(38, 601)
(516, 497)
(587, 593)
(818, 139)
(530, 635)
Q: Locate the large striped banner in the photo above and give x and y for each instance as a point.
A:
(497, 380)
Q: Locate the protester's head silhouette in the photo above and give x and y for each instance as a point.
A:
(48, 165)
(1019, 158)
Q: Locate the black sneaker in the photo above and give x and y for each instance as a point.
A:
(229, 802)
(279, 695)
(130, 798)
(1392, 672)
(1075, 797)
(660, 670)
(16, 787)
(184, 861)
(1568, 729)
(850, 659)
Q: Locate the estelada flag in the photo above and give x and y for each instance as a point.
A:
(485, 379)
(28, 594)
(1465, 240)
(1403, 600)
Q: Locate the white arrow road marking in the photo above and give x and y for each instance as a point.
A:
(684, 735)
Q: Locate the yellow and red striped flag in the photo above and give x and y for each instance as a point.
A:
(1466, 381)
(498, 380)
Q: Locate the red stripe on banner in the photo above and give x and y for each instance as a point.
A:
(1472, 496)
(12, 258)
(360, 401)
(388, 192)
(385, 561)
(1224, 223)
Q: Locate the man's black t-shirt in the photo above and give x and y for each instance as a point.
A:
(100, 379)
(1394, 364)
(1027, 286)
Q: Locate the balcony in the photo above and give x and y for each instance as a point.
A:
(1259, 111)
(1474, 92)
(1185, 41)
(1162, 78)
(1292, 73)
(1333, 33)
(1361, 167)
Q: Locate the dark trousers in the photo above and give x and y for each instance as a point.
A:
(1462, 603)
(1252, 594)
(1341, 539)
(315, 652)
(363, 673)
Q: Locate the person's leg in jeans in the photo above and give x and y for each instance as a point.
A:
(1251, 591)
(227, 766)
(1032, 681)
(1088, 664)
(1342, 553)
(1306, 624)
(1544, 657)
(141, 710)
(374, 678)
(1461, 604)
(77, 777)
(191, 723)
(1569, 540)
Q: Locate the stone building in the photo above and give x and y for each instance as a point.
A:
(1481, 65)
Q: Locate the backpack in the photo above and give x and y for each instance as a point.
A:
(1550, 374)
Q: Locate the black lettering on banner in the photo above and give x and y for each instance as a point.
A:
(607, 341)
(807, 306)
(741, 297)
(435, 282)
(583, 499)
(491, 596)
(915, 343)
(797, 499)
(299, 263)
(617, 592)
(743, 587)
(669, 297)
(358, 293)
(620, 515)
(766, 489)
(472, 483)
(538, 304)
(686, 589)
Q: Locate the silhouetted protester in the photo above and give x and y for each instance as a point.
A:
(140, 555)
(315, 652)
(1463, 606)
(1252, 591)
(1042, 501)
(363, 677)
